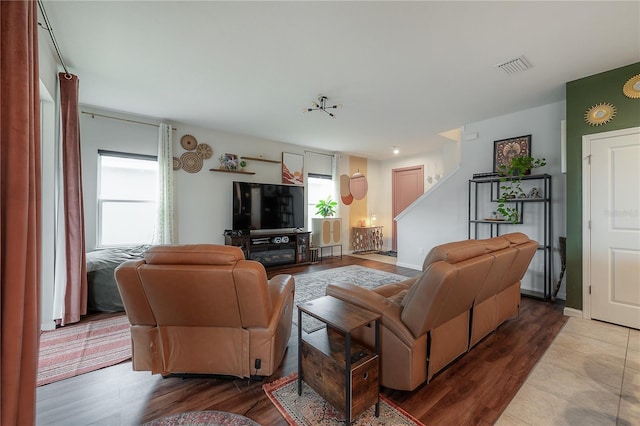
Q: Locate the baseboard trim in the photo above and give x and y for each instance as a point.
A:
(408, 265)
(571, 312)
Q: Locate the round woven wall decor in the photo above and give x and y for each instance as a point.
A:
(188, 142)
(191, 162)
(177, 163)
(204, 151)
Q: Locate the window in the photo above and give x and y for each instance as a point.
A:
(320, 187)
(127, 196)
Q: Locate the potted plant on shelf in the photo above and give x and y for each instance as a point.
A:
(326, 208)
(511, 175)
(223, 162)
(242, 164)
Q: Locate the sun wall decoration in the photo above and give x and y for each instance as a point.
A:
(631, 88)
(600, 114)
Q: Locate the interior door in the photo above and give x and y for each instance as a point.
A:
(614, 246)
(407, 186)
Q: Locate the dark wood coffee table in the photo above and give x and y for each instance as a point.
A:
(343, 372)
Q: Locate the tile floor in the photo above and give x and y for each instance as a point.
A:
(590, 375)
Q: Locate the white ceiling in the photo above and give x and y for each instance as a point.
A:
(404, 71)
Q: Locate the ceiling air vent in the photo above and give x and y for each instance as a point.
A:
(515, 66)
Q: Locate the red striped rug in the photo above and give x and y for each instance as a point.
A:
(80, 348)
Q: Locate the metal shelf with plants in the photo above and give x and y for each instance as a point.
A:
(486, 194)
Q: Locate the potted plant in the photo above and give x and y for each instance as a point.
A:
(222, 161)
(326, 208)
(511, 175)
(243, 164)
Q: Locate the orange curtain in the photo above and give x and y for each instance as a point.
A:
(19, 210)
(75, 301)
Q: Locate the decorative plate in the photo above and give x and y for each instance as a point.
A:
(188, 142)
(631, 88)
(358, 186)
(600, 114)
(191, 162)
(344, 185)
(347, 200)
(177, 163)
(204, 151)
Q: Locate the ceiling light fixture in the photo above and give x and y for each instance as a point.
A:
(322, 106)
(396, 150)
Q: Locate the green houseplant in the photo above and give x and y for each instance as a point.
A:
(511, 175)
(326, 208)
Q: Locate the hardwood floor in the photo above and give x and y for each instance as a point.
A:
(472, 391)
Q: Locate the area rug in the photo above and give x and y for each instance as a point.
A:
(311, 286)
(203, 418)
(80, 348)
(310, 409)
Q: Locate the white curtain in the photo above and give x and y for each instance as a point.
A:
(164, 229)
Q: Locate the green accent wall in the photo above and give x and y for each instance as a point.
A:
(581, 95)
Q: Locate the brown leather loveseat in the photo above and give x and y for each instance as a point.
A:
(466, 290)
(205, 309)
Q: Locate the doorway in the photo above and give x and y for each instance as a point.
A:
(407, 186)
(611, 227)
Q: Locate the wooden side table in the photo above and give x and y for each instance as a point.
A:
(366, 238)
(344, 373)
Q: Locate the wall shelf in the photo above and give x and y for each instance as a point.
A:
(232, 171)
(264, 160)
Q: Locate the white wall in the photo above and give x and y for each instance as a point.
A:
(203, 199)
(48, 69)
(441, 215)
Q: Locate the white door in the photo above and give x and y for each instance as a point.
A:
(614, 239)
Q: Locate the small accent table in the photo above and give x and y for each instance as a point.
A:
(366, 238)
(331, 247)
(343, 372)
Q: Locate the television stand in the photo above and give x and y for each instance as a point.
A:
(273, 249)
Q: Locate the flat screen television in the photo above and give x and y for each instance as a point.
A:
(266, 206)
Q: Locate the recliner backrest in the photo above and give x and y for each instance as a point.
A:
(205, 285)
(453, 276)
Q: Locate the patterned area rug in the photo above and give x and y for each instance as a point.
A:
(80, 348)
(310, 409)
(312, 286)
(203, 418)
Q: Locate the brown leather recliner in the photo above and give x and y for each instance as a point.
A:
(427, 321)
(205, 309)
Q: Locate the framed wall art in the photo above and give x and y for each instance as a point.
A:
(292, 168)
(505, 150)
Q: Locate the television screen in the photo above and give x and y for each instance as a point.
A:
(265, 206)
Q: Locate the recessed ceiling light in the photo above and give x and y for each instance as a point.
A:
(396, 150)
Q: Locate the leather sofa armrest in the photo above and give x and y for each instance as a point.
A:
(279, 287)
(373, 302)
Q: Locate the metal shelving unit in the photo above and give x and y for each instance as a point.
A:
(476, 223)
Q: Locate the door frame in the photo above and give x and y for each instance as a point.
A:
(587, 140)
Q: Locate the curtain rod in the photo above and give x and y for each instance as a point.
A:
(320, 153)
(95, 114)
(47, 26)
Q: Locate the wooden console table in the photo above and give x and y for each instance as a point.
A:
(344, 373)
(366, 238)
